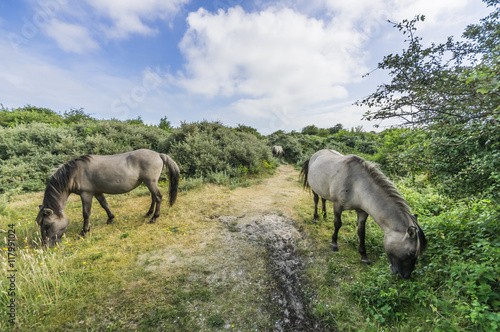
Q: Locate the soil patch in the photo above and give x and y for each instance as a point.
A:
(280, 238)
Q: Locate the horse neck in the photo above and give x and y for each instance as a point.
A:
(56, 200)
(387, 213)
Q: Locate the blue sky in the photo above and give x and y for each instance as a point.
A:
(272, 65)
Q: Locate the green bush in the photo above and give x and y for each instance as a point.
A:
(29, 114)
(299, 147)
(464, 257)
(214, 152)
(29, 152)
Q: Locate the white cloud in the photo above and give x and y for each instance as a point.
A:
(71, 37)
(269, 59)
(443, 17)
(130, 16)
(80, 26)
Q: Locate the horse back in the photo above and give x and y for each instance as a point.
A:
(336, 177)
(120, 173)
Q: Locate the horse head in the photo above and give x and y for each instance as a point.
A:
(404, 249)
(52, 225)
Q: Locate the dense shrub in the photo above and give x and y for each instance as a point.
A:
(29, 153)
(460, 168)
(29, 114)
(463, 261)
(299, 147)
(203, 149)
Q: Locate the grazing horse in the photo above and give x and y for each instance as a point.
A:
(352, 183)
(278, 151)
(93, 175)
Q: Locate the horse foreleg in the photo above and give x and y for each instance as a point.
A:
(337, 222)
(102, 200)
(362, 216)
(86, 209)
(316, 200)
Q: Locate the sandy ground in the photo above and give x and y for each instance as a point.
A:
(266, 218)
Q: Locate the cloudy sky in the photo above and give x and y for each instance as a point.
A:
(270, 64)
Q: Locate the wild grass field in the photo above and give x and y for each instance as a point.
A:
(244, 258)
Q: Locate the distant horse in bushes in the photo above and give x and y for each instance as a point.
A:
(93, 175)
(278, 151)
(352, 183)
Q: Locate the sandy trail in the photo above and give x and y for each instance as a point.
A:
(266, 218)
(251, 243)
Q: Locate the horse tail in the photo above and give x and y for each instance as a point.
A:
(174, 175)
(303, 174)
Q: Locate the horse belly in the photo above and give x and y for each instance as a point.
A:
(110, 180)
(119, 187)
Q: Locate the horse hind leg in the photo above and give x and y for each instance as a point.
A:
(362, 216)
(156, 198)
(152, 207)
(316, 200)
(337, 222)
(102, 200)
(323, 206)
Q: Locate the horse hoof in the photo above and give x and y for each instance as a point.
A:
(334, 247)
(152, 221)
(366, 261)
(110, 221)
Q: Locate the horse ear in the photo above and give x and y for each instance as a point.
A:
(47, 212)
(411, 232)
(416, 216)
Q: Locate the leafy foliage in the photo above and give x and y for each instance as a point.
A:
(29, 114)
(449, 94)
(30, 151)
(210, 149)
(299, 147)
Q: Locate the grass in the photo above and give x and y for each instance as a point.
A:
(189, 272)
(172, 275)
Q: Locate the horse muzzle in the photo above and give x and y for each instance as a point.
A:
(394, 270)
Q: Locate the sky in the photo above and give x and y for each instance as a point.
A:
(269, 64)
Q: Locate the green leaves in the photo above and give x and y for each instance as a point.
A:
(449, 94)
(211, 150)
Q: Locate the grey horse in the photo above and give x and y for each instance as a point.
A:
(93, 176)
(352, 183)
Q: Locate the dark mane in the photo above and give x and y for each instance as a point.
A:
(391, 191)
(61, 182)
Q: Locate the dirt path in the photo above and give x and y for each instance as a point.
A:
(246, 246)
(277, 194)
(266, 219)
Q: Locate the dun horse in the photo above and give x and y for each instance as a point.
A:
(352, 183)
(93, 175)
(278, 151)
